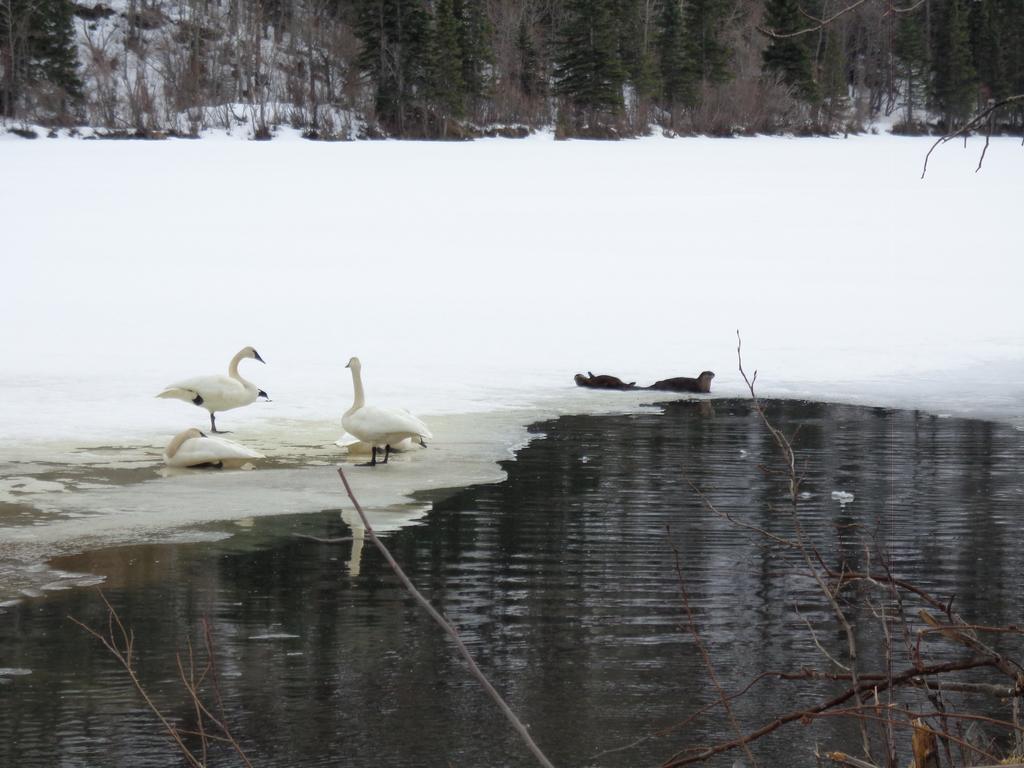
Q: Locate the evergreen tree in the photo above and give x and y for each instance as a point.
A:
(529, 76)
(637, 61)
(474, 34)
(833, 77)
(37, 47)
(911, 48)
(703, 22)
(588, 70)
(789, 57)
(677, 84)
(395, 53)
(955, 91)
(988, 24)
(1013, 32)
(447, 88)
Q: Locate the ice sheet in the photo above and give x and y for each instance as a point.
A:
(473, 280)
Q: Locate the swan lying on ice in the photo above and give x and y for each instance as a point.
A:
(377, 426)
(192, 448)
(219, 393)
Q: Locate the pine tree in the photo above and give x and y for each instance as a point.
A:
(447, 89)
(988, 25)
(474, 34)
(833, 77)
(789, 57)
(1014, 47)
(395, 53)
(677, 83)
(703, 22)
(37, 47)
(529, 77)
(911, 47)
(637, 61)
(954, 92)
(588, 70)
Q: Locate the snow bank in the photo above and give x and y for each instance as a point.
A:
(474, 275)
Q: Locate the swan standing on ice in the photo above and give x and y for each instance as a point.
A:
(219, 393)
(378, 426)
(192, 448)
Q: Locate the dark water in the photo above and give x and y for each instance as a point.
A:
(561, 580)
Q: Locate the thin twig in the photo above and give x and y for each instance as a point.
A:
(448, 628)
(969, 126)
(123, 654)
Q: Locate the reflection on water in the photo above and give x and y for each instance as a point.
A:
(561, 581)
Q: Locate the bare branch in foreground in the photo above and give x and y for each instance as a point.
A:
(121, 645)
(972, 124)
(448, 628)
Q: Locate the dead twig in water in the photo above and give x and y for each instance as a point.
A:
(121, 645)
(521, 729)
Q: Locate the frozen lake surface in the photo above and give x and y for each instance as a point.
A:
(473, 280)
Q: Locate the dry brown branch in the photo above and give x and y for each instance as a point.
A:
(867, 684)
(806, 547)
(521, 729)
(120, 642)
(969, 126)
(963, 716)
(123, 653)
(956, 633)
(818, 24)
(963, 743)
(710, 506)
(866, 690)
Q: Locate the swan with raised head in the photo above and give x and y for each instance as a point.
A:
(192, 448)
(377, 426)
(219, 393)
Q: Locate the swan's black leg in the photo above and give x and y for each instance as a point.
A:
(387, 453)
(213, 426)
(423, 442)
(373, 459)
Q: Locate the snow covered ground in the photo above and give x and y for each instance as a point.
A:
(475, 278)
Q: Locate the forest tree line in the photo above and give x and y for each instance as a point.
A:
(456, 68)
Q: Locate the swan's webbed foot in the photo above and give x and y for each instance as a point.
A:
(423, 442)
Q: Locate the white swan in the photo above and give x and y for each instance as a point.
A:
(378, 426)
(192, 448)
(219, 393)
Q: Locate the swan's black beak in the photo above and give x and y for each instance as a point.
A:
(202, 434)
(348, 365)
(263, 394)
(257, 356)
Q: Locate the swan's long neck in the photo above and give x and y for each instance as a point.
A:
(357, 385)
(233, 370)
(177, 442)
